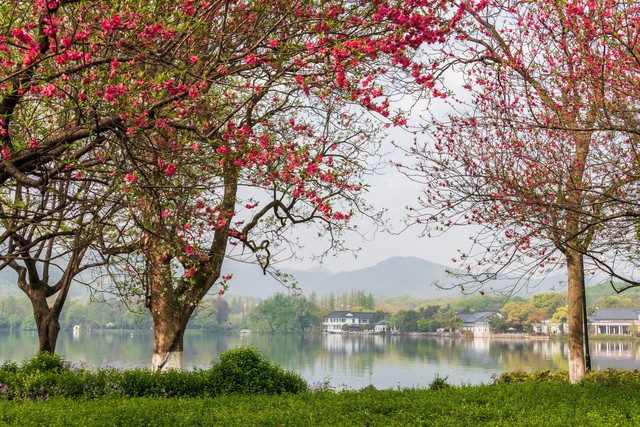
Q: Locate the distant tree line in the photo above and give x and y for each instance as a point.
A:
(16, 314)
(284, 313)
(425, 319)
(354, 300)
(521, 315)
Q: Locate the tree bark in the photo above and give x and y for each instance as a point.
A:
(168, 335)
(172, 305)
(168, 328)
(46, 316)
(575, 269)
(46, 321)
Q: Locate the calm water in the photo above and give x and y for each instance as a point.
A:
(352, 361)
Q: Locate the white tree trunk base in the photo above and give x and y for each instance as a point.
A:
(576, 369)
(167, 361)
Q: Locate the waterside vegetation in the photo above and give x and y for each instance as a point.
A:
(515, 398)
(283, 313)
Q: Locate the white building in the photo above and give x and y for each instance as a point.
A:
(615, 321)
(478, 322)
(340, 321)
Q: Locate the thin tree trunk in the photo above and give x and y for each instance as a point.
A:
(576, 297)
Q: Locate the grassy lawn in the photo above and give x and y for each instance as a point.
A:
(242, 388)
(529, 404)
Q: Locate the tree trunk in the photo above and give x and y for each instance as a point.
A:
(46, 322)
(168, 338)
(575, 269)
(168, 320)
(172, 304)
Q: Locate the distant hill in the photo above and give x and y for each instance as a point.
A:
(8, 286)
(597, 293)
(395, 276)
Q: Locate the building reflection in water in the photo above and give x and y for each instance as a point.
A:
(612, 349)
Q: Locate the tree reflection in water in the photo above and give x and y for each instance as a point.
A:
(350, 360)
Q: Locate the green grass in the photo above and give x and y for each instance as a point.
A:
(242, 388)
(528, 404)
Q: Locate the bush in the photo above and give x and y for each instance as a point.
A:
(245, 370)
(242, 370)
(44, 361)
(520, 376)
(439, 383)
(613, 378)
(9, 366)
(607, 377)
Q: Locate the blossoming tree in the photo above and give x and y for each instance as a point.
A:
(272, 106)
(543, 156)
(47, 240)
(188, 104)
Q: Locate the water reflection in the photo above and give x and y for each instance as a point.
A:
(351, 360)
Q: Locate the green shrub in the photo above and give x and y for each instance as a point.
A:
(245, 370)
(242, 370)
(9, 366)
(607, 377)
(138, 382)
(43, 361)
(613, 377)
(439, 383)
(520, 376)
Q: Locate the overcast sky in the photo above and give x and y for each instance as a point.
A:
(394, 192)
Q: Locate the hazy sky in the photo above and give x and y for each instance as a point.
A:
(394, 192)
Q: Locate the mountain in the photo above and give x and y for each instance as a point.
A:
(394, 276)
(8, 286)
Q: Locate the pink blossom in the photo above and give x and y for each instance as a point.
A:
(33, 144)
(50, 90)
(251, 59)
(130, 177)
(22, 36)
(170, 170)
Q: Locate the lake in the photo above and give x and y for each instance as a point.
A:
(346, 361)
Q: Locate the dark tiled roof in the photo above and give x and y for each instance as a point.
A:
(476, 316)
(356, 314)
(604, 314)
